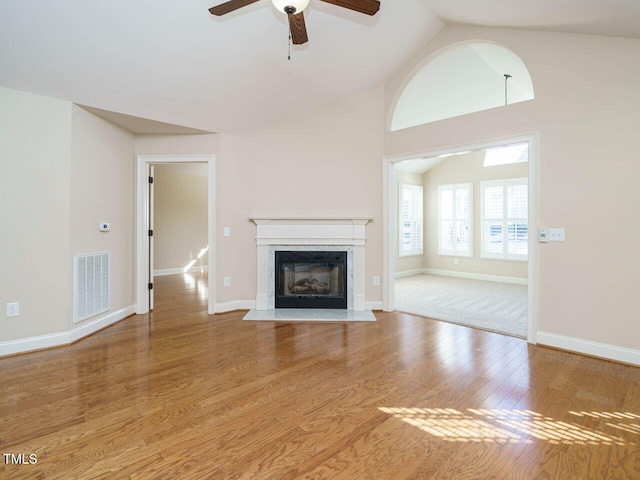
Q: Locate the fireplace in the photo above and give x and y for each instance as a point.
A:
(311, 234)
(311, 279)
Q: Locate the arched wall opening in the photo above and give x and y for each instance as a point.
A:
(462, 79)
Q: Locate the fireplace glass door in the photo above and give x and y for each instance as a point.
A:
(310, 279)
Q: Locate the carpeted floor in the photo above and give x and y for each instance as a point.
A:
(494, 306)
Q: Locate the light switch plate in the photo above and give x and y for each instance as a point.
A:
(556, 234)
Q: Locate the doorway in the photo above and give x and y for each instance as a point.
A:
(144, 221)
(470, 260)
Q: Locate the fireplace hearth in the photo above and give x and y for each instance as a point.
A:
(311, 279)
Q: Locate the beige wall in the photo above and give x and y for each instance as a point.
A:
(102, 190)
(35, 261)
(64, 171)
(324, 162)
(180, 213)
(463, 169)
(198, 144)
(587, 112)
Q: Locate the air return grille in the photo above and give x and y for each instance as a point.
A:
(91, 285)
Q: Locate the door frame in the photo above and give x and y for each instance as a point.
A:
(143, 164)
(390, 214)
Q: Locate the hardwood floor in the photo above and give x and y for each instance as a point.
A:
(180, 394)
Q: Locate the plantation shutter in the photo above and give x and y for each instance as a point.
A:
(505, 206)
(411, 219)
(455, 219)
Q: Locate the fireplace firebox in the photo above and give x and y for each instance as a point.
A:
(307, 279)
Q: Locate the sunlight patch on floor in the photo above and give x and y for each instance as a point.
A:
(514, 426)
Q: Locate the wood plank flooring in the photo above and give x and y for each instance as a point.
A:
(180, 394)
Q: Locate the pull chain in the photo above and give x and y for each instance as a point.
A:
(289, 57)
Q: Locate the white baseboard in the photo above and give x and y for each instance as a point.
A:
(374, 305)
(173, 271)
(235, 305)
(87, 327)
(410, 273)
(602, 350)
(472, 276)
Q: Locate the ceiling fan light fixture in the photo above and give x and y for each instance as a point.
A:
(282, 5)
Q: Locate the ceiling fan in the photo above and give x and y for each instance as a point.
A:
(294, 11)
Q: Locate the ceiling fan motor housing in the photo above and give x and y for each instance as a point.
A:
(290, 6)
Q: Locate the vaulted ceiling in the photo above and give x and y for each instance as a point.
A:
(175, 64)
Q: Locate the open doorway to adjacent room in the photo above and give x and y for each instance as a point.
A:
(175, 230)
(180, 241)
(461, 235)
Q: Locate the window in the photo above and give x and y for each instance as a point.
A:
(506, 155)
(505, 219)
(455, 219)
(411, 220)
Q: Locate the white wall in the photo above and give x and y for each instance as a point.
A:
(35, 262)
(587, 111)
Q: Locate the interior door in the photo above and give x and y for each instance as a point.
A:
(151, 226)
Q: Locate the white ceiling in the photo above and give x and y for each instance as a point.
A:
(619, 18)
(172, 62)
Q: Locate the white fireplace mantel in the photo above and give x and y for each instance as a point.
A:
(273, 232)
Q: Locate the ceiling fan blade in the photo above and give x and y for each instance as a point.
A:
(230, 6)
(368, 7)
(298, 28)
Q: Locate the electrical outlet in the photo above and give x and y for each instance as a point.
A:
(13, 309)
(455, 261)
(227, 231)
(376, 280)
(227, 281)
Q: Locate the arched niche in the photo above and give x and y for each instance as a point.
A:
(462, 79)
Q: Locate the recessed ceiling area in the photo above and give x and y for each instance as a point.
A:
(420, 165)
(464, 79)
(506, 154)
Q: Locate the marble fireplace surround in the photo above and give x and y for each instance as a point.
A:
(311, 233)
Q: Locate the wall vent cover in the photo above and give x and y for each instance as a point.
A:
(90, 285)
